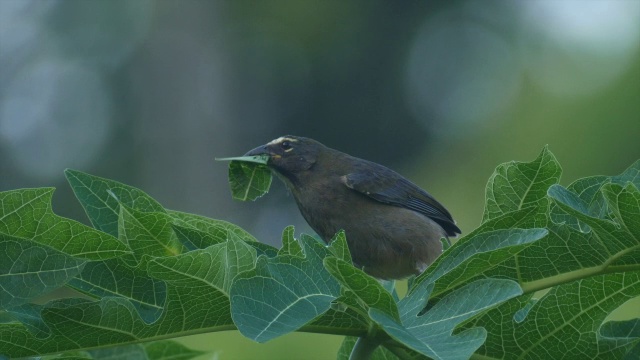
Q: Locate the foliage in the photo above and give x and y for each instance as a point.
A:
(249, 177)
(143, 274)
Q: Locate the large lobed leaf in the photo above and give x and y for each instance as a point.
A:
(101, 199)
(518, 185)
(155, 274)
(27, 214)
(166, 349)
(29, 270)
(40, 251)
(516, 209)
(198, 304)
(150, 230)
(283, 293)
(593, 239)
(153, 291)
(563, 324)
(566, 252)
(431, 333)
(590, 241)
(116, 278)
(156, 350)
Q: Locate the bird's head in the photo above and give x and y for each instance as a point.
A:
(290, 156)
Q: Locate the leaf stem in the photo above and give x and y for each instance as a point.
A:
(545, 283)
(398, 350)
(366, 345)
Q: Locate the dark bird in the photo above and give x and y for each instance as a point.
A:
(393, 227)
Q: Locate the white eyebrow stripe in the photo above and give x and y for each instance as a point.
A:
(281, 139)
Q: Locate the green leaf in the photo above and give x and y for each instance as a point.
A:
(290, 246)
(81, 324)
(249, 177)
(380, 353)
(610, 241)
(625, 332)
(90, 323)
(339, 247)
(588, 259)
(566, 254)
(563, 323)
(339, 320)
(29, 270)
(633, 353)
(27, 214)
(214, 267)
(431, 334)
(283, 293)
(101, 197)
(29, 316)
(197, 284)
(256, 159)
(193, 239)
(589, 191)
(517, 219)
(148, 233)
(115, 277)
(624, 203)
(627, 329)
(631, 174)
(74, 355)
(517, 185)
(468, 259)
(132, 352)
(218, 230)
(170, 350)
(589, 195)
(366, 291)
(248, 181)
(490, 247)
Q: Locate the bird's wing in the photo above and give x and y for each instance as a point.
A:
(387, 186)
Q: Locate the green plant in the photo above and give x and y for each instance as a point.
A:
(147, 274)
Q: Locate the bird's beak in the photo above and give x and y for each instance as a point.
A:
(260, 150)
(263, 150)
(260, 155)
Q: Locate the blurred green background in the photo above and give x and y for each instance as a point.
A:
(149, 92)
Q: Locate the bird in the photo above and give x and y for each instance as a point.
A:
(392, 226)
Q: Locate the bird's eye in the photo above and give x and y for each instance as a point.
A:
(285, 145)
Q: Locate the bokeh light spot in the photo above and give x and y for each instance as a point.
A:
(460, 72)
(576, 48)
(56, 116)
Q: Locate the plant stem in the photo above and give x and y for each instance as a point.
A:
(399, 350)
(367, 344)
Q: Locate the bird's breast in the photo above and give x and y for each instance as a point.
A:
(322, 204)
(387, 241)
